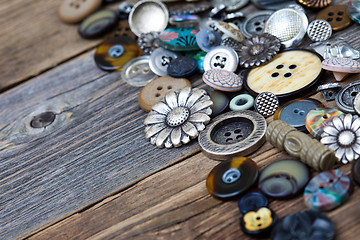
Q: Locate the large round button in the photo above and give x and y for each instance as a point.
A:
(222, 80)
(137, 72)
(221, 57)
(74, 11)
(345, 97)
(255, 23)
(182, 67)
(113, 53)
(327, 190)
(252, 201)
(179, 39)
(306, 225)
(155, 90)
(289, 73)
(232, 177)
(148, 16)
(283, 178)
(258, 223)
(236, 133)
(160, 59)
(294, 112)
(355, 171)
(98, 23)
(336, 15)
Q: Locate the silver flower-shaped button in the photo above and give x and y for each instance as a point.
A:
(178, 117)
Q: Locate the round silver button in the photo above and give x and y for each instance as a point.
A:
(224, 58)
(137, 72)
(160, 59)
(255, 23)
(319, 30)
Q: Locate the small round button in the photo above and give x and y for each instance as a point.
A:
(137, 72)
(319, 30)
(258, 223)
(179, 39)
(294, 112)
(123, 10)
(235, 133)
(283, 178)
(327, 190)
(255, 23)
(160, 59)
(155, 90)
(97, 24)
(208, 39)
(182, 67)
(222, 80)
(266, 103)
(232, 177)
(241, 102)
(336, 15)
(355, 171)
(252, 201)
(309, 225)
(114, 52)
(74, 11)
(221, 57)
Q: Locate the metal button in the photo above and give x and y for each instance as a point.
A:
(345, 97)
(266, 103)
(255, 23)
(137, 72)
(148, 16)
(231, 5)
(235, 133)
(182, 66)
(148, 42)
(222, 80)
(336, 15)
(319, 30)
(329, 90)
(315, 3)
(295, 111)
(341, 67)
(160, 59)
(208, 39)
(221, 57)
(272, 5)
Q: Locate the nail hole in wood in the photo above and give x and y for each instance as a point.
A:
(42, 120)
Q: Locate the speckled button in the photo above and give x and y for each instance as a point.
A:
(294, 112)
(258, 223)
(179, 39)
(155, 90)
(114, 52)
(266, 103)
(327, 190)
(318, 118)
(255, 23)
(355, 171)
(252, 201)
(74, 11)
(241, 102)
(98, 24)
(289, 73)
(182, 67)
(221, 57)
(283, 178)
(235, 133)
(160, 59)
(232, 177)
(336, 15)
(208, 39)
(222, 80)
(137, 72)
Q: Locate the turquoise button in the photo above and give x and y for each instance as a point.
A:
(179, 39)
(241, 102)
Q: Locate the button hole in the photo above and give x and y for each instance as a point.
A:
(237, 131)
(287, 75)
(340, 13)
(159, 88)
(279, 66)
(329, 19)
(229, 140)
(331, 14)
(275, 74)
(258, 218)
(257, 23)
(338, 19)
(227, 134)
(258, 29)
(169, 87)
(239, 137)
(241, 102)
(292, 66)
(157, 95)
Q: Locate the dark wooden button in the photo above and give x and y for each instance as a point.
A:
(155, 90)
(232, 177)
(336, 15)
(258, 223)
(74, 11)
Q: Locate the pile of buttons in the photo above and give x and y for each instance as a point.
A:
(252, 70)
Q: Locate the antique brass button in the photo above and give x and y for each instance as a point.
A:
(336, 15)
(235, 133)
(74, 11)
(315, 3)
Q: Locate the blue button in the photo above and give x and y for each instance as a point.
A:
(182, 66)
(207, 39)
(252, 202)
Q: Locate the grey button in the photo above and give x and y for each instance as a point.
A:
(221, 57)
(345, 97)
(272, 4)
(255, 23)
(160, 59)
(294, 114)
(319, 30)
(266, 103)
(231, 5)
(329, 90)
(137, 72)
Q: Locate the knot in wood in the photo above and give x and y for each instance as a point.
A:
(42, 120)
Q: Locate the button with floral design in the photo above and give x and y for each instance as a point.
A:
(179, 39)
(258, 223)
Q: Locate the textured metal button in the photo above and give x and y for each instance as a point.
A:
(208, 39)
(255, 23)
(283, 178)
(179, 39)
(272, 5)
(182, 66)
(315, 3)
(294, 112)
(236, 133)
(155, 90)
(114, 52)
(266, 103)
(288, 73)
(232, 177)
(222, 80)
(329, 90)
(341, 67)
(98, 24)
(148, 16)
(319, 30)
(345, 97)
(137, 72)
(252, 201)
(241, 102)
(160, 59)
(336, 15)
(74, 11)
(148, 42)
(221, 57)
(288, 25)
(327, 190)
